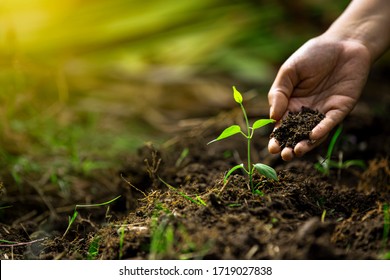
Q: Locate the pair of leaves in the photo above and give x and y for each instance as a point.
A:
(235, 129)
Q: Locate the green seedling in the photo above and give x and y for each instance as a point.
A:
(324, 165)
(182, 156)
(8, 243)
(198, 200)
(121, 241)
(93, 249)
(162, 237)
(75, 212)
(323, 216)
(261, 168)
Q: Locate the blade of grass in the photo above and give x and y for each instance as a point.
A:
(198, 201)
(97, 204)
(75, 213)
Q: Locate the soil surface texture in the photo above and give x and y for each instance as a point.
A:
(174, 203)
(297, 127)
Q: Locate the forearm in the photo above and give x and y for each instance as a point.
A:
(367, 22)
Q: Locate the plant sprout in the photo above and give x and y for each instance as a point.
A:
(261, 168)
(75, 212)
(324, 165)
(198, 200)
(93, 249)
(121, 241)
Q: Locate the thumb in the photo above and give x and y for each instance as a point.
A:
(280, 92)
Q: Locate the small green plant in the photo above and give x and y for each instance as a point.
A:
(323, 216)
(121, 241)
(182, 156)
(198, 200)
(261, 168)
(325, 164)
(93, 249)
(75, 212)
(162, 236)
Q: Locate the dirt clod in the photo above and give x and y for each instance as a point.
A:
(297, 127)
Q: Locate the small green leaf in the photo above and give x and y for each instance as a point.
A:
(333, 141)
(234, 168)
(231, 130)
(258, 192)
(93, 250)
(266, 170)
(354, 162)
(237, 95)
(260, 123)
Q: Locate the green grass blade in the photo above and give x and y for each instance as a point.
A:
(97, 204)
(93, 249)
(121, 241)
(197, 201)
(201, 201)
(333, 142)
(354, 162)
(71, 220)
(7, 241)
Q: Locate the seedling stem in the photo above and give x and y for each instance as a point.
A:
(263, 169)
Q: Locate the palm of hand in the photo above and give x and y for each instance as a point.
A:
(322, 75)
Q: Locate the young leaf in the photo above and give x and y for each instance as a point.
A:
(237, 95)
(71, 220)
(333, 141)
(354, 162)
(266, 170)
(231, 130)
(260, 123)
(234, 168)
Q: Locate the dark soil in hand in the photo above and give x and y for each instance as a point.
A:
(296, 127)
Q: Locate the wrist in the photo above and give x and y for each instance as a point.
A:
(366, 23)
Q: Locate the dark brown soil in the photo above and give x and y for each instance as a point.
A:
(304, 215)
(296, 127)
(174, 203)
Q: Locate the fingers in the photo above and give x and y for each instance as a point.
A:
(306, 146)
(326, 125)
(273, 146)
(287, 154)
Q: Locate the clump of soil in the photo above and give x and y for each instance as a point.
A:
(297, 127)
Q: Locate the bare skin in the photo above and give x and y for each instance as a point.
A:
(328, 73)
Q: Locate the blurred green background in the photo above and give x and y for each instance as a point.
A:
(85, 82)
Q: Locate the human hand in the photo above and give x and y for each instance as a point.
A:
(325, 74)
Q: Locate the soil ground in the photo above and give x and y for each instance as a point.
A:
(175, 204)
